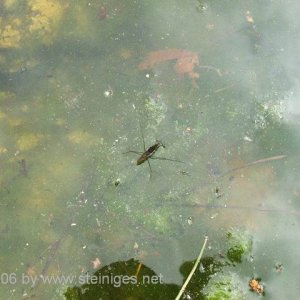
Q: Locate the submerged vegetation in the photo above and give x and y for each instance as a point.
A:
(211, 281)
(81, 84)
(40, 22)
(227, 286)
(240, 244)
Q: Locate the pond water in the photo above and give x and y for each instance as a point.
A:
(83, 83)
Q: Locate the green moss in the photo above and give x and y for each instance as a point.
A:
(240, 243)
(72, 293)
(225, 287)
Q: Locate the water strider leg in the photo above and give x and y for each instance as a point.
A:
(131, 151)
(164, 158)
(149, 168)
(142, 135)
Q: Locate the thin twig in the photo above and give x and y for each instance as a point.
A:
(193, 270)
(224, 88)
(260, 161)
(240, 207)
(138, 270)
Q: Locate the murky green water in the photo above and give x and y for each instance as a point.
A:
(83, 82)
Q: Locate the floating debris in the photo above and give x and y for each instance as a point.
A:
(184, 173)
(249, 17)
(23, 167)
(117, 181)
(247, 139)
(108, 93)
(190, 220)
(96, 263)
(256, 286)
(185, 61)
(218, 194)
(279, 267)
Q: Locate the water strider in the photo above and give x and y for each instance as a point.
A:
(147, 154)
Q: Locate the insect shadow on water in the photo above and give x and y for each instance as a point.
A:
(149, 153)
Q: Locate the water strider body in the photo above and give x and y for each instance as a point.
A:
(149, 152)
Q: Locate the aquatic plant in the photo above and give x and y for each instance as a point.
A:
(240, 244)
(45, 18)
(10, 35)
(225, 286)
(28, 141)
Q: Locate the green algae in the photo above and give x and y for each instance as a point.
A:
(239, 245)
